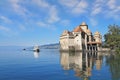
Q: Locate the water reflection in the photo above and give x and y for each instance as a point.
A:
(36, 54)
(114, 62)
(81, 63)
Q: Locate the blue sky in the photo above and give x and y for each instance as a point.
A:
(31, 22)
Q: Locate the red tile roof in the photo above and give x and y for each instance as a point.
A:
(78, 29)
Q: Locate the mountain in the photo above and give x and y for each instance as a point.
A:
(50, 46)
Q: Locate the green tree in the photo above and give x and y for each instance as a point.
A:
(112, 38)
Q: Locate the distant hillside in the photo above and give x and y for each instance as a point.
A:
(56, 46)
(50, 46)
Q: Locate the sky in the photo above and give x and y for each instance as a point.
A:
(38, 22)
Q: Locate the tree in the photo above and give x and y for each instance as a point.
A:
(112, 38)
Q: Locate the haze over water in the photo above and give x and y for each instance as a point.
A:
(50, 64)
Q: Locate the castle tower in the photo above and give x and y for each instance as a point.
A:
(89, 33)
(84, 26)
(97, 37)
(78, 38)
(98, 40)
(66, 41)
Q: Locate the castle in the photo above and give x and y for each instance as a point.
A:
(80, 38)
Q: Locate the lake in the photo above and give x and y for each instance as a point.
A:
(50, 64)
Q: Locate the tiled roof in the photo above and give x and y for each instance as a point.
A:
(78, 29)
(88, 31)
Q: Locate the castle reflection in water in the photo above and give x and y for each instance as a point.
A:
(81, 63)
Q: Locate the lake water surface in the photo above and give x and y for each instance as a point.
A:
(50, 64)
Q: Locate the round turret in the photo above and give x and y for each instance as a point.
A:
(97, 33)
(97, 36)
(83, 23)
(84, 26)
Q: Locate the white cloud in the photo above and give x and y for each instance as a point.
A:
(53, 15)
(93, 22)
(75, 6)
(113, 10)
(96, 10)
(109, 9)
(65, 22)
(41, 3)
(97, 7)
(5, 19)
(5, 29)
(113, 13)
(22, 27)
(19, 9)
(46, 25)
(68, 3)
(111, 4)
(51, 11)
(41, 24)
(81, 7)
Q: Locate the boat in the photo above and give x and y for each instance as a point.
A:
(36, 49)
